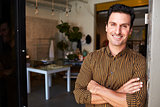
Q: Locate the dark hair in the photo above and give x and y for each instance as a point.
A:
(122, 9)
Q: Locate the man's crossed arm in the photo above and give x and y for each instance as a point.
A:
(102, 95)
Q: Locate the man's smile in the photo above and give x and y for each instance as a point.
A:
(117, 37)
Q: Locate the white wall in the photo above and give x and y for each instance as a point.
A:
(154, 61)
(83, 15)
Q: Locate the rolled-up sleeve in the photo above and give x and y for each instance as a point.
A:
(82, 95)
(138, 99)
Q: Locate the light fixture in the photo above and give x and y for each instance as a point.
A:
(67, 8)
(36, 12)
(52, 7)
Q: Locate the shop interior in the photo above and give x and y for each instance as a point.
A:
(59, 35)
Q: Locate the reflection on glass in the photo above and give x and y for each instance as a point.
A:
(8, 81)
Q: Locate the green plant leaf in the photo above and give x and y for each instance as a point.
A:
(72, 57)
(62, 45)
(72, 33)
(75, 29)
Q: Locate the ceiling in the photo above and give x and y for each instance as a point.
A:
(59, 1)
(58, 4)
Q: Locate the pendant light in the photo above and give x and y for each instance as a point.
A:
(67, 8)
(36, 11)
(52, 7)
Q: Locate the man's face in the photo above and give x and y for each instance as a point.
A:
(4, 29)
(118, 29)
(4, 32)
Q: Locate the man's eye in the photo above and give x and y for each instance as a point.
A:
(112, 24)
(124, 26)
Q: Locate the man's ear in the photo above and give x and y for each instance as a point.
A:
(106, 27)
(130, 32)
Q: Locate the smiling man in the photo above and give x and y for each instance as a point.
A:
(114, 75)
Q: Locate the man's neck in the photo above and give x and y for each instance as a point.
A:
(116, 49)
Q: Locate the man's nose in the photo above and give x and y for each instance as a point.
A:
(118, 30)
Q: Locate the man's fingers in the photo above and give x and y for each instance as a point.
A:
(131, 81)
(131, 86)
(132, 92)
(135, 88)
(135, 84)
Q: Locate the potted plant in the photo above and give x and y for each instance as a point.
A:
(74, 35)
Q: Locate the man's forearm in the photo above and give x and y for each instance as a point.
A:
(96, 99)
(115, 98)
(112, 97)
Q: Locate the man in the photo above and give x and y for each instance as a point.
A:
(6, 48)
(7, 66)
(114, 75)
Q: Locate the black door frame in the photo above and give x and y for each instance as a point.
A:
(20, 30)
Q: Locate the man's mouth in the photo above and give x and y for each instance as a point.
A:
(117, 36)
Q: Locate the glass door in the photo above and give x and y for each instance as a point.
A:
(12, 54)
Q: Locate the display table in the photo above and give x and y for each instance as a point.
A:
(48, 70)
(75, 67)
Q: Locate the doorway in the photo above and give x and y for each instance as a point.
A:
(137, 41)
(12, 54)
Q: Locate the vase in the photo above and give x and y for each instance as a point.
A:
(74, 46)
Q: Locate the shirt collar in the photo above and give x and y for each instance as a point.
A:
(123, 52)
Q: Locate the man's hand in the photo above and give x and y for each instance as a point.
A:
(131, 86)
(92, 86)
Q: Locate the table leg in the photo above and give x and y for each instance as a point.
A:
(28, 82)
(47, 91)
(50, 80)
(68, 80)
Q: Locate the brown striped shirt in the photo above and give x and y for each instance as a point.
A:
(111, 72)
